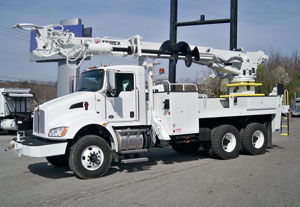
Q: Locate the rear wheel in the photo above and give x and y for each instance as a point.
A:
(58, 161)
(206, 146)
(254, 138)
(186, 148)
(225, 142)
(90, 157)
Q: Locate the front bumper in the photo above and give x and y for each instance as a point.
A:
(33, 146)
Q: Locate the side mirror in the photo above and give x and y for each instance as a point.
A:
(111, 78)
(111, 93)
(111, 90)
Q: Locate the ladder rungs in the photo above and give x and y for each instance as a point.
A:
(284, 125)
(284, 134)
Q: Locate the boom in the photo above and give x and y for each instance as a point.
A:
(53, 40)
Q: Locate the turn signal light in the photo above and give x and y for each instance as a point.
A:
(58, 132)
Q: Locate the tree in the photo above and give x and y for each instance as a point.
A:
(279, 75)
(212, 86)
(264, 78)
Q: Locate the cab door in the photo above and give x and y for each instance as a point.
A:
(122, 106)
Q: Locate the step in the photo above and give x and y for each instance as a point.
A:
(284, 134)
(163, 143)
(133, 151)
(284, 126)
(135, 160)
(285, 118)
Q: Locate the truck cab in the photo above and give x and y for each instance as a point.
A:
(108, 97)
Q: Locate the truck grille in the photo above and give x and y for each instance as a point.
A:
(298, 108)
(35, 121)
(39, 121)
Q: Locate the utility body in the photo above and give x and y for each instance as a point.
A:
(118, 113)
(15, 109)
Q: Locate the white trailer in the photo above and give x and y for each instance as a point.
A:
(117, 111)
(15, 109)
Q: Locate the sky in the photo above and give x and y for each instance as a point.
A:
(262, 25)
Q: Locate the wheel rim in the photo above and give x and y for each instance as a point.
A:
(258, 139)
(92, 158)
(229, 142)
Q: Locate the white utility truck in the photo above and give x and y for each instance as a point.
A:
(296, 106)
(15, 109)
(117, 111)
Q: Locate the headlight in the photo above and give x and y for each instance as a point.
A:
(58, 132)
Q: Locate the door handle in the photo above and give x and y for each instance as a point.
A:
(132, 114)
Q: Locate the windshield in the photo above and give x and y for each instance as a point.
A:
(91, 80)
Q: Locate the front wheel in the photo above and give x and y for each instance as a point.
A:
(90, 157)
(225, 142)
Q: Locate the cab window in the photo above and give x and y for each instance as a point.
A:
(124, 82)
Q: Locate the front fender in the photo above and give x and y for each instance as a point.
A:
(77, 121)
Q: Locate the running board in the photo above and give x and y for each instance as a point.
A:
(133, 151)
(135, 160)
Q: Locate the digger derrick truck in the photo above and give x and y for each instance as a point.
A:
(118, 112)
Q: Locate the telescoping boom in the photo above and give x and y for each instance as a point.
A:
(53, 40)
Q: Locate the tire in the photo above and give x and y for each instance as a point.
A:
(186, 148)
(90, 157)
(254, 139)
(269, 134)
(58, 161)
(206, 146)
(225, 142)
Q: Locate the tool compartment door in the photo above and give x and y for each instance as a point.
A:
(184, 112)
